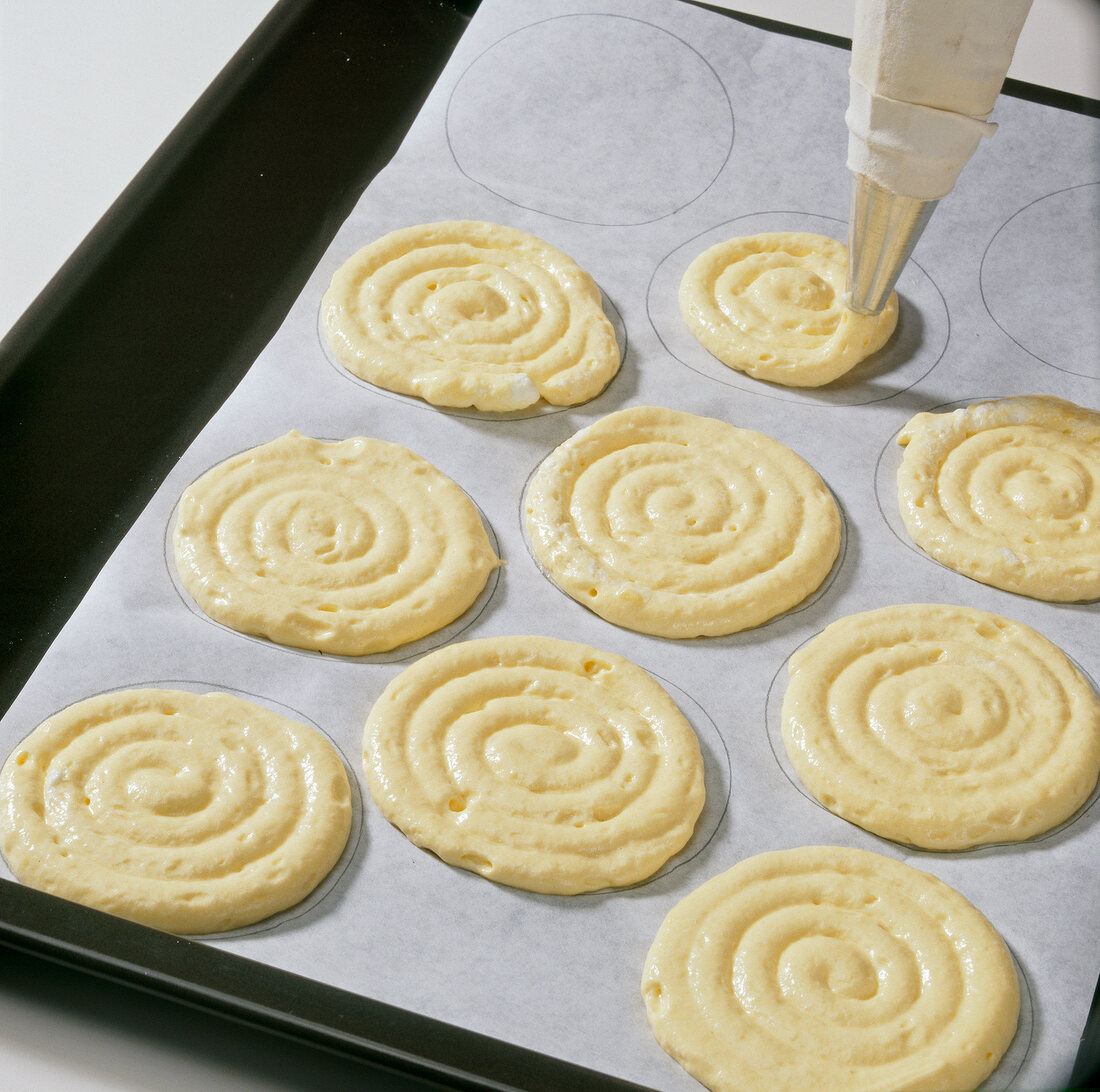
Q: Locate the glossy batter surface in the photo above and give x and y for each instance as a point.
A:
(1008, 493)
(679, 525)
(352, 547)
(941, 726)
(192, 813)
(538, 763)
(830, 968)
(772, 306)
(469, 313)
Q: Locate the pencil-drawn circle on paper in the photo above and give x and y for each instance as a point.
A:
(913, 350)
(1040, 283)
(597, 119)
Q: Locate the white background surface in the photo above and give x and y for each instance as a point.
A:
(88, 90)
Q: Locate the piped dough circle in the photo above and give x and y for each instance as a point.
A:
(1007, 492)
(468, 313)
(772, 306)
(832, 968)
(538, 763)
(351, 548)
(192, 813)
(941, 726)
(680, 526)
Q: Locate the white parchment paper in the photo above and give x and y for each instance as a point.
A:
(632, 134)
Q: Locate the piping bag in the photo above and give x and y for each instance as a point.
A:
(924, 77)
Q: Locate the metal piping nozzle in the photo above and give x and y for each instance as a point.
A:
(883, 228)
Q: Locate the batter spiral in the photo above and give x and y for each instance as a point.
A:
(681, 526)
(352, 547)
(824, 967)
(772, 306)
(192, 813)
(1008, 492)
(941, 726)
(466, 313)
(538, 763)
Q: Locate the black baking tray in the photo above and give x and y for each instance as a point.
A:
(118, 365)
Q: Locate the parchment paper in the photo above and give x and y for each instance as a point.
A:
(632, 134)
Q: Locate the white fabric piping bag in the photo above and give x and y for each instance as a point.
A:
(924, 77)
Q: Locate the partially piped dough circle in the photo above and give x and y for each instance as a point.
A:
(351, 547)
(830, 968)
(193, 813)
(681, 526)
(1008, 493)
(469, 313)
(941, 726)
(772, 306)
(538, 763)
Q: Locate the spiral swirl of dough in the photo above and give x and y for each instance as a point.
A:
(465, 313)
(190, 813)
(681, 526)
(538, 763)
(1008, 493)
(941, 726)
(772, 306)
(352, 548)
(832, 968)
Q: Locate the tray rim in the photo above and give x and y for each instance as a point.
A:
(177, 968)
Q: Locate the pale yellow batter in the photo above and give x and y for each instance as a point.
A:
(681, 526)
(352, 547)
(832, 969)
(466, 313)
(538, 763)
(941, 726)
(773, 306)
(193, 813)
(1008, 492)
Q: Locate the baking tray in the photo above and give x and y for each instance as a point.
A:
(164, 307)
